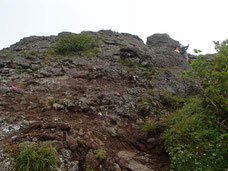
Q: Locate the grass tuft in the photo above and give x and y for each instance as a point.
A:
(38, 158)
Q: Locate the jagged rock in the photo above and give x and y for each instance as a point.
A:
(110, 131)
(35, 66)
(58, 145)
(45, 72)
(160, 40)
(135, 166)
(33, 126)
(13, 138)
(4, 89)
(73, 166)
(126, 160)
(71, 142)
(126, 155)
(59, 125)
(57, 106)
(34, 42)
(101, 95)
(6, 161)
(142, 159)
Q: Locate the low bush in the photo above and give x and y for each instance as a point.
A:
(176, 102)
(100, 154)
(36, 159)
(150, 127)
(197, 137)
(194, 140)
(144, 105)
(72, 43)
(211, 74)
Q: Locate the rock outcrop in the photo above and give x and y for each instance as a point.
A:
(87, 103)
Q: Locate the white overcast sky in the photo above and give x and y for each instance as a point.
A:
(197, 22)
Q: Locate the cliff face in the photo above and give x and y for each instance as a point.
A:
(91, 101)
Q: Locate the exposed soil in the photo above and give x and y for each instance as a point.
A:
(50, 124)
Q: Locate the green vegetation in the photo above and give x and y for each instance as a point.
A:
(197, 51)
(176, 102)
(147, 75)
(149, 72)
(51, 102)
(129, 64)
(49, 52)
(130, 70)
(71, 43)
(147, 105)
(36, 159)
(33, 52)
(144, 104)
(194, 140)
(100, 154)
(19, 67)
(91, 53)
(162, 70)
(87, 167)
(197, 136)
(9, 53)
(150, 126)
(23, 52)
(212, 78)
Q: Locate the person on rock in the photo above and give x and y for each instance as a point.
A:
(183, 50)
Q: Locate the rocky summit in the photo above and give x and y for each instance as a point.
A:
(92, 107)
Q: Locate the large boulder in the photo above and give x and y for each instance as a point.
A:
(158, 40)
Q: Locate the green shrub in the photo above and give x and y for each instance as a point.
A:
(130, 64)
(212, 78)
(52, 101)
(197, 138)
(33, 52)
(71, 43)
(150, 127)
(100, 154)
(49, 52)
(176, 102)
(147, 75)
(37, 159)
(144, 105)
(194, 140)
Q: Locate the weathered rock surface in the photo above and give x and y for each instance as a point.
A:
(80, 103)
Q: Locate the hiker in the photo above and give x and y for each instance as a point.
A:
(183, 50)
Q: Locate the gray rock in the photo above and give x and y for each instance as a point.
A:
(13, 138)
(142, 159)
(71, 142)
(4, 89)
(126, 158)
(159, 40)
(135, 166)
(81, 132)
(45, 72)
(35, 66)
(73, 166)
(110, 131)
(57, 106)
(126, 155)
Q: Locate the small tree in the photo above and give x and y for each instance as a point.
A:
(212, 78)
(197, 137)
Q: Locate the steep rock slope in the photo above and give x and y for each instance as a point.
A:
(87, 102)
